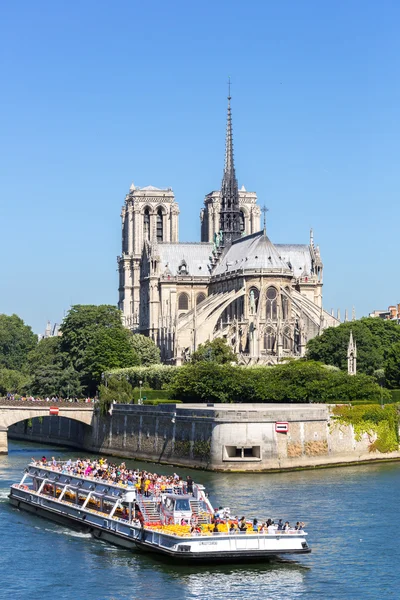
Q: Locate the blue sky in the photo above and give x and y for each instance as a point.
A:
(96, 95)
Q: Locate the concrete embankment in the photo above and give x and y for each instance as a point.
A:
(221, 437)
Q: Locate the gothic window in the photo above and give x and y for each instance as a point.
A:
(269, 341)
(183, 301)
(146, 224)
(200, 298)
(285, 306)
(242, 222)
(160, 232)
(272, 309)
(287, 342)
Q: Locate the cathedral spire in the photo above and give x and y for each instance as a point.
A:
(230, 211)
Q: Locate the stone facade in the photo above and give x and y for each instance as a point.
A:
(264, 299)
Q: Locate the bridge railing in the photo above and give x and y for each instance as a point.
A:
(47, 402)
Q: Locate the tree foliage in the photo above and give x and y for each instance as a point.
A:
(47, 352)
(108, 349)
(373, 338)
(55, 380)
(116, 390)
(95, 340)
(296, 381)
(392, 366)
(147, 351)
(215, 351)
(16, 341)
(13, 382)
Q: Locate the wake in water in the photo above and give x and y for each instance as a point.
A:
(4, 494)
(69, 532)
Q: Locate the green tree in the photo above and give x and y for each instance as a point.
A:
(147, 351)
(373, 337)
(296, 381)
(16, 341)
(82, 324)
(205, 381)
(392, 366)
(95, 340)
(108, 349)
(47, 352)
(13, 382)
(55, 380)
(216, 351)
(116, 390)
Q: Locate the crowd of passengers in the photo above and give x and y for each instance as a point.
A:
(242, 525)
(153, 485)
(146, 483)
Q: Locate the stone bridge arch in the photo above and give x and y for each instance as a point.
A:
(14, 412)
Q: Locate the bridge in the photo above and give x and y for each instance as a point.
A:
(13, 411)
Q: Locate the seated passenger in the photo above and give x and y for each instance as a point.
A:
(255, 526)
(272, 528)
(242, 524)
(263, 528)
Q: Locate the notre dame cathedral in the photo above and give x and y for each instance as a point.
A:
(265, 299)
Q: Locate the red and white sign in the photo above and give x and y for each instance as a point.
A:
(282, 427)
(54, 410)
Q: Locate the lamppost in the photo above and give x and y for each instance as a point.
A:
(140, 391)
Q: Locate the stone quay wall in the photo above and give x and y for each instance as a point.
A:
(221, 437)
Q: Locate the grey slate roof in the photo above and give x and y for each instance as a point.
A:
(254, 251)
(298, 256)
(195, 255)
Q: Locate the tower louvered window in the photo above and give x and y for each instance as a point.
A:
(160, 232)
(146, 224)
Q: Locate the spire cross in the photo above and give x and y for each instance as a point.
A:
(264, 210)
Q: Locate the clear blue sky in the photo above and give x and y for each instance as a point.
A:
(98, 94)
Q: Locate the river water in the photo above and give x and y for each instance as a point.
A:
(351, 516)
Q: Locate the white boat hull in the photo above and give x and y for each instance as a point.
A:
(194, 549)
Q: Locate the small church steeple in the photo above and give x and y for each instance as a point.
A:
(352, 356)
(230, 210)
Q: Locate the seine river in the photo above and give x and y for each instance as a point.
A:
(351, 515)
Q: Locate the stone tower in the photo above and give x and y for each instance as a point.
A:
(149, 214)
(352, 356)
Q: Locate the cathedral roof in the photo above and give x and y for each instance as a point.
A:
(194, 257)
(297, 256)
(255, 251)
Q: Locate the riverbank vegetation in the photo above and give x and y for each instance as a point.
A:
(380, 424)
(93, 340)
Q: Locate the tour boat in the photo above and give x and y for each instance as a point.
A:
(111, 512)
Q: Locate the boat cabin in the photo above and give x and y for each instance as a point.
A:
(174, 508)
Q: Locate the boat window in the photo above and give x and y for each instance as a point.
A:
(169, 503)
(182, 504)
